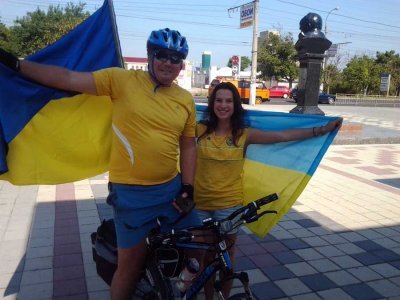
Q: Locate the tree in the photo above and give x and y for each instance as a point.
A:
(330, 75)
(362, 74)
(277, 58)
(389, 63)
(5, 42)
(39, 29)
(244, 62)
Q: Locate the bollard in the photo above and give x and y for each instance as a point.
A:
(310, 48)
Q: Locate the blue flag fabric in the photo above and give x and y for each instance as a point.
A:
(91, 46)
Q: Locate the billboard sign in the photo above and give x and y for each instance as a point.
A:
(385, 83)
(246, 15)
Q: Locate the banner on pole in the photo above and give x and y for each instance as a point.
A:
(246, 15)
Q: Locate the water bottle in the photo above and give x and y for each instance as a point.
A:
(188, 274)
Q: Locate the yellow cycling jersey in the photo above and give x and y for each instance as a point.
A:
(219, 171)
(146, 125)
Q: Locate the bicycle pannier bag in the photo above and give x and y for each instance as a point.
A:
(104, 250)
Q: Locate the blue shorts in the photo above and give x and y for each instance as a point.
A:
(137, 207)
(219, 214)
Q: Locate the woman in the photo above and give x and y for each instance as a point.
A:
(221, 147)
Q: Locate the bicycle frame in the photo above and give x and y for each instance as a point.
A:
(223, 261)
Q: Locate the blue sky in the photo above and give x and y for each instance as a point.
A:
(366, 26)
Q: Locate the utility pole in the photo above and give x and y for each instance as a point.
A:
(248, 17)
(253, 76)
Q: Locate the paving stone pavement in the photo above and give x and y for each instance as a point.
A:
(341, 239)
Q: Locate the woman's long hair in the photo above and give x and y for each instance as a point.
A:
(237, 118)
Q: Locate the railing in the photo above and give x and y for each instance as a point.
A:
(367, 100)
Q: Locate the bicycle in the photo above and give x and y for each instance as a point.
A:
(155, 284)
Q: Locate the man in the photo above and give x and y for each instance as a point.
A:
(152, 119)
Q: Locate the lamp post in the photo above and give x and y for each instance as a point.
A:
(325, 62)
(326, 19)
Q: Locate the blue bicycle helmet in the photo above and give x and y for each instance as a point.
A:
(168, 39)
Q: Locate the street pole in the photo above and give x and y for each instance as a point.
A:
(325, 61)
(253, 76)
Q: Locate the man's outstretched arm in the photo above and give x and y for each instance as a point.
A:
(51, 76)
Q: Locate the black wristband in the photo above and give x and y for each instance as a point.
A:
(313, 132)
(9, 60)
(187, 188)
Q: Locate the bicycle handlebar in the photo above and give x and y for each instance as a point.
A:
(249, 215)
(252, 207)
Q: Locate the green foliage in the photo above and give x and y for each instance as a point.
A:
(362, 74)
(331, 76)
(39, 29)
(244, 62)
(389, 63)
(277, 58)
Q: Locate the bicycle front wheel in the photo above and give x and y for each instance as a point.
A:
(152, 285)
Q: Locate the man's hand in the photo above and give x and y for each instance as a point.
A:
(187, 190)
(184, 202)
(9, 60)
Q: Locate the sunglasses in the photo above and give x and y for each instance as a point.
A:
(164, 57)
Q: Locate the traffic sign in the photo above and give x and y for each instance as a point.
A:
(235, 60)
(385, 82)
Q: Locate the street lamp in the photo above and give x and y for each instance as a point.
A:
(325, 61)
(326, 19)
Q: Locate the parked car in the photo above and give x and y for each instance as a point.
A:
(243, 87)
(326, 98)
(279, 92)
(323, 98)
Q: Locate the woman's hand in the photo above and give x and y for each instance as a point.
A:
(332, 125)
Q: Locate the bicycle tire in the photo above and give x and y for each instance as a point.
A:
(152, 285)
(241, 296)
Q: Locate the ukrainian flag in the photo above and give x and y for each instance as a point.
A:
(49, 136)
(283, 168)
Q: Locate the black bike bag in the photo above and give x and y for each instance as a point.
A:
(104, 250)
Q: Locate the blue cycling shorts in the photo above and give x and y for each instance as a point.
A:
(137, 207)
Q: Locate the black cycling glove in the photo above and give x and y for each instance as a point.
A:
(9, 60)
(184, 205)
(188, 189)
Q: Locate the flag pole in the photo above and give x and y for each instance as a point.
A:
(115, 32)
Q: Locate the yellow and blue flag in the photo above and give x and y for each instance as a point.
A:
(283, 168)
(49, 136)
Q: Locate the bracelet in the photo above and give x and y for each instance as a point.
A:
(313, 132)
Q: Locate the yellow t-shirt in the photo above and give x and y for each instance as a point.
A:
(146, 125)
(219, 171)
